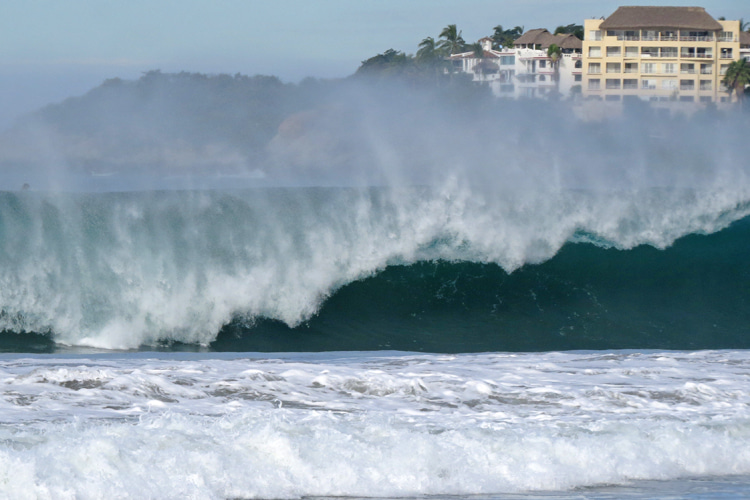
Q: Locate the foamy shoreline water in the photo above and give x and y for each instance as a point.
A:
(147, 425)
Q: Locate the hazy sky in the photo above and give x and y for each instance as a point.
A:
(53, 49)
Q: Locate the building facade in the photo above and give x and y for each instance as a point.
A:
(658, 54)
(526, 71)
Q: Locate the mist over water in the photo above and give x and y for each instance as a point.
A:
(149, 222)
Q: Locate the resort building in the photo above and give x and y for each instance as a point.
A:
(659, 54)
(526, 71)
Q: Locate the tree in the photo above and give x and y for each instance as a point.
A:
(428, 51)
(737, 77)
(505, 38)
(452, 42)
(744, 25)
(571, 29)
(554, 52)
(430, 58)
(389, 63)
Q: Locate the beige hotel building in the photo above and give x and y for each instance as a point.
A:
(658, 54)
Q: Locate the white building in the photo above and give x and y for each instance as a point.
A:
(526, 71)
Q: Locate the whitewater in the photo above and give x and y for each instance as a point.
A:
(364, 425)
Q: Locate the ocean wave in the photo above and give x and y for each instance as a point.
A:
(121, 270)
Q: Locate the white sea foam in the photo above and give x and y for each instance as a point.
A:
(121, 270)
(358, 425)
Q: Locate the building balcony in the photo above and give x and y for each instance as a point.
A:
(697, 38)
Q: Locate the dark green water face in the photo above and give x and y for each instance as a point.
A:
(693, 295)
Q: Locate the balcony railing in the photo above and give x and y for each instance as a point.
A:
(708, 38)
(630, 86)
(687, 71)
(708, 71)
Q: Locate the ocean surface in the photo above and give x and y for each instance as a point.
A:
(448, 341)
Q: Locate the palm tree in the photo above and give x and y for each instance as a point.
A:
(554, 52)
(428, 51)
(737, 77)
(452, 42)
(505, 38)
(744, 25)
(430, 56)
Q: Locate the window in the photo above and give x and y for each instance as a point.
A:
(668, 36)
(595, 52)
(647, 84)
(726, 36)
(669, 84)
(706, 85)
(669, 68)
(687, 52)
(687, 84)
(577, 78)
(631, 67)
(595, 35)
(670, 52)
(649, 51)
(631, 51)
(687, 68)
(630, 84)
(649, 35)
(631, 35)
(726, 53)
(704, 53)
(542, 78)
(542, 64)
(723, 69)
(578, 64)
(707, 69)
(613, 83)
(613, 51)
(613, 67)
(507, 60)
(595, 84)
(595, 68)
(648, 68)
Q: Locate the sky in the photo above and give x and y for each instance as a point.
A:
(54, 49)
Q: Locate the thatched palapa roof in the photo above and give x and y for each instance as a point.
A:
(661, 17)
(544, 38)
